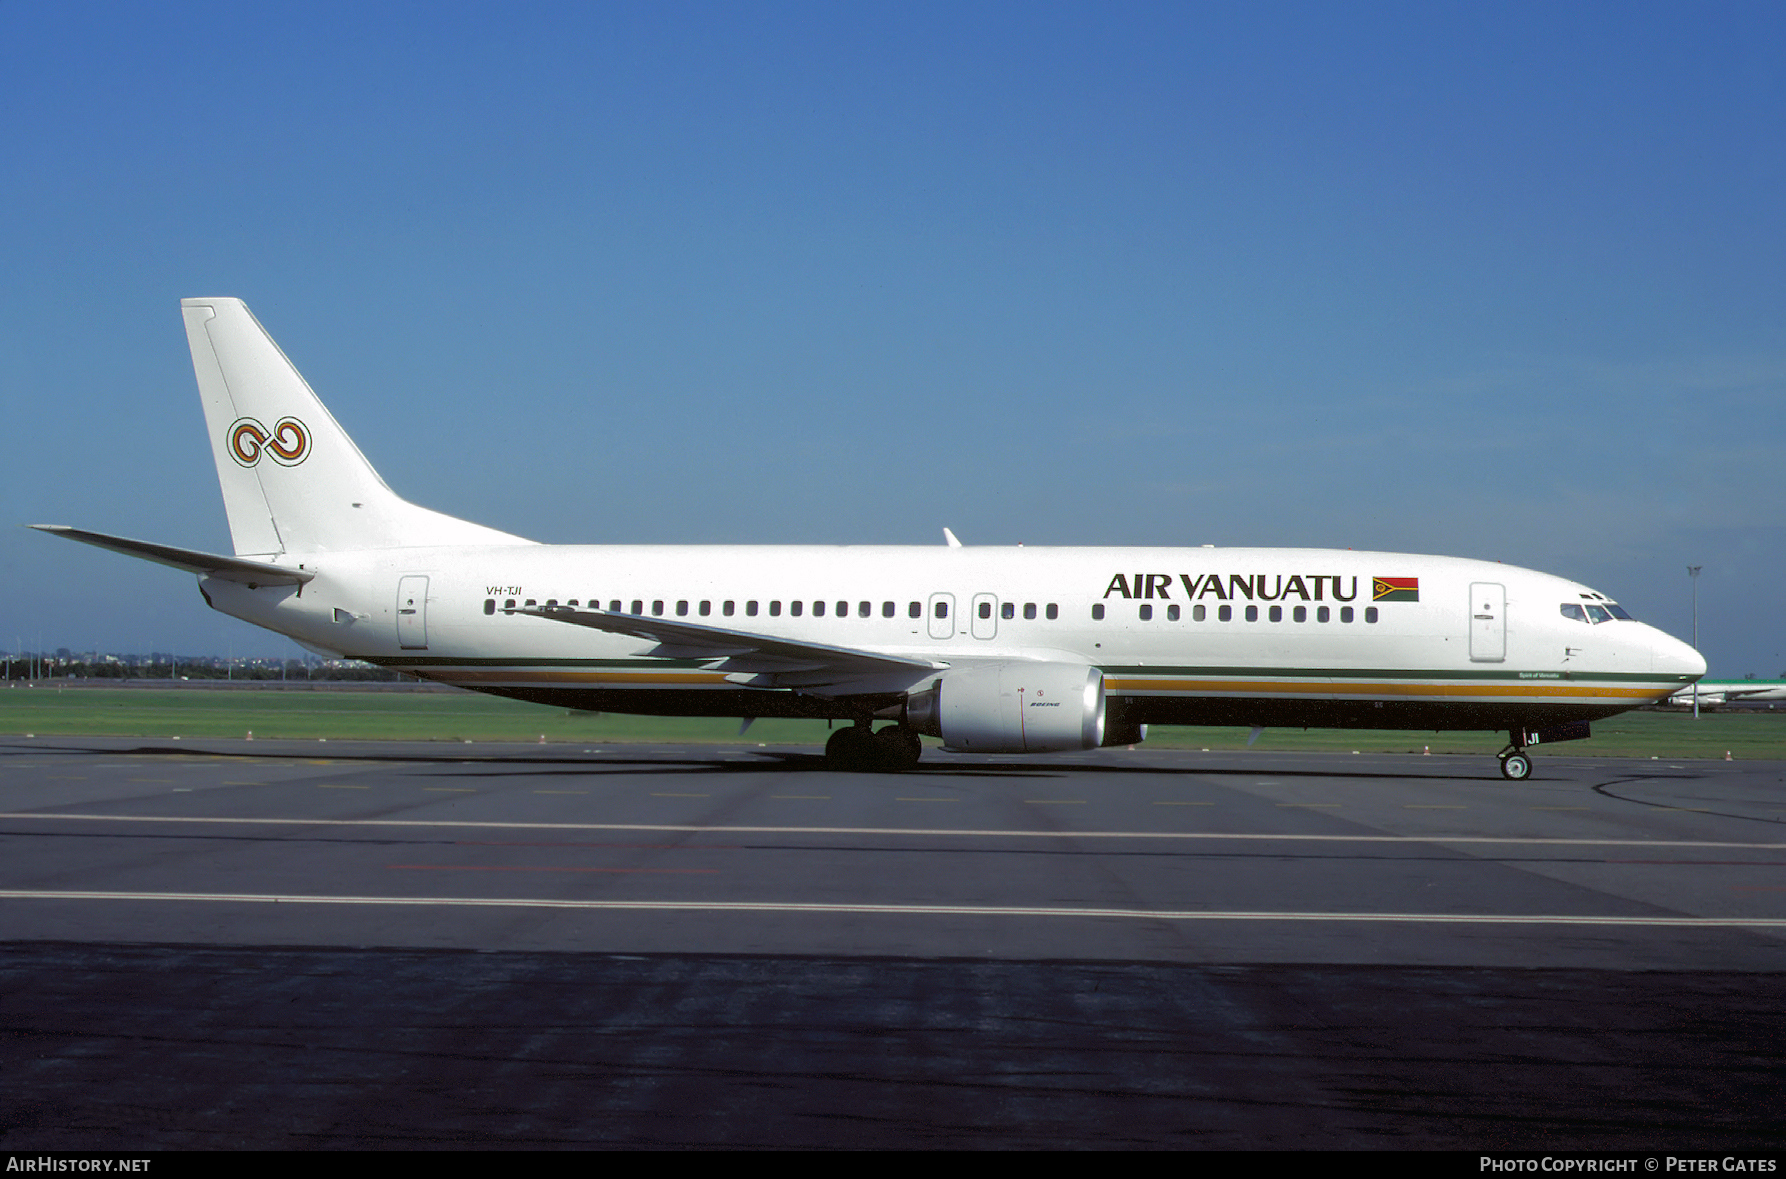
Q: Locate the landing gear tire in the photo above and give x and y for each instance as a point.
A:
(857, 749)
(898, 747)
(1516, 767)
(850, 749)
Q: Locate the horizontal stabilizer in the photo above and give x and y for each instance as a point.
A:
(742, 651)
(252, 573)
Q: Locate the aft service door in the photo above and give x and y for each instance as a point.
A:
(941, 612)
(1488, 622)
(412, 613)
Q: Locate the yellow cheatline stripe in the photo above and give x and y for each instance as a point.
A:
(1545, 688)
(453, 676)
(911, 910)
(960, 832)
(1542, 688)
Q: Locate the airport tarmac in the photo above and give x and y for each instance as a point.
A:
(281, 944)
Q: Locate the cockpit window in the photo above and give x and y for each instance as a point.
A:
(1598, 613)
(1618, 611)
(1571, 610)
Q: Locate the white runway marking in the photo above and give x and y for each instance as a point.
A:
(951, 832)
(910, 910)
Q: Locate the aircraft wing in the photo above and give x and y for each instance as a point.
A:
(747, 658)
(253, 573)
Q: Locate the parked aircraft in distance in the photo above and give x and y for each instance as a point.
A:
(1712, 693)
(992, 649)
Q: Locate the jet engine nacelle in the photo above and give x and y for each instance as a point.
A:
(1015, 707)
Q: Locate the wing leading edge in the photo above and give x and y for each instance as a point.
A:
(754, 660)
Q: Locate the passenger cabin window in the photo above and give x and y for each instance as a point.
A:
(1277, 613)
(1322, 614)
(794, 608)
(985, 609)
(1225, 613)
(1097, 611)
(682, 608)
(1198, 613)
(1252, 613)
(1053, 612)
(706, 609)
(1008, 610)
(1300, 614)
(866, 609)
(1172, 613)
(1146, 613)
(614, 606)
(1370, 613)
(489, 605)
(916, 610)
(1029, 610)
(657, 607)
(775, 609)
(509, 605)
(942, 609)
(726, 609)
(886, 609)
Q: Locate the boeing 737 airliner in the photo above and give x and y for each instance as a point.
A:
(994, 650)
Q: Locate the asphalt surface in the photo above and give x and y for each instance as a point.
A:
(306, 944)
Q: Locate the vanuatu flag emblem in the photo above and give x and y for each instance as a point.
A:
(1395, 589)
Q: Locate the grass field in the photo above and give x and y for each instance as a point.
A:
(465, 716)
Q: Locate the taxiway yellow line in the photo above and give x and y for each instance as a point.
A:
(895, 910)
(961, 832)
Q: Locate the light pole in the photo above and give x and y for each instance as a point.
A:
(1693, 572)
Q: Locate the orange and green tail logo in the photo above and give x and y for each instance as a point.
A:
(287, 444)
(1395, 589)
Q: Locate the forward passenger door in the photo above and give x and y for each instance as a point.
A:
(1488, 622)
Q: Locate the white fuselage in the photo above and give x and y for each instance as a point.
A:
(1204, 635)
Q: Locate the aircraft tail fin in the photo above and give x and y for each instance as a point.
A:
(293, 481)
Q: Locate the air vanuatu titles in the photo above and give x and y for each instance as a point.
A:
(1262, 587)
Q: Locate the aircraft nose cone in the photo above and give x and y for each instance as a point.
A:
(1670, 656)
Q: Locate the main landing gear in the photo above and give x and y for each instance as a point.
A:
(1515, 765)
(892, 750)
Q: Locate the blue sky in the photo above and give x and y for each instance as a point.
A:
(1501, 282)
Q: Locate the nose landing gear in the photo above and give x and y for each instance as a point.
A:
(1516, 766)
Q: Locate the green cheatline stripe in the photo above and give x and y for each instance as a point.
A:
(1284, 673)
(1374, 673)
